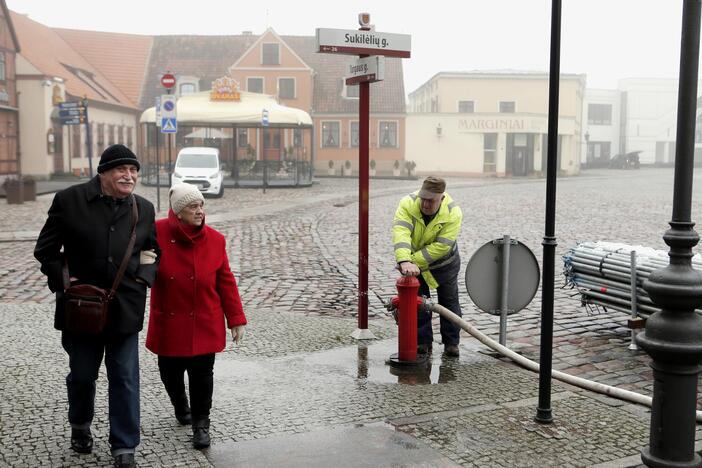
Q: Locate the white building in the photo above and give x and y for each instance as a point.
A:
(492, 123)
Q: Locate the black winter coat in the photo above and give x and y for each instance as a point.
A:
(94, 231)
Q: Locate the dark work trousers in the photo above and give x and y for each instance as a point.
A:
(447, 277)
(200, 380)
(121, 353)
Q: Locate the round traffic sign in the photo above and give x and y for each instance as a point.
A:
(168, 106)
(168, 80)
(484, 277)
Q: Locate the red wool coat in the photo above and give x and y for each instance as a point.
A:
(194, 292)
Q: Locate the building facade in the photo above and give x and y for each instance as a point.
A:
(9, 111)
(492, 124)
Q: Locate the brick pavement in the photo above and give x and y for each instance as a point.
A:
(299, 263)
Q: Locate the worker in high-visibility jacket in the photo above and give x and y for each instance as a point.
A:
(424, 235)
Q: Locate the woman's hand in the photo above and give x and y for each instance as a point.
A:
(237, 333)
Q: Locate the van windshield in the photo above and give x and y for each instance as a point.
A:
(198, 161)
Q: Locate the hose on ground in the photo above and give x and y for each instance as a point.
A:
(531, 365)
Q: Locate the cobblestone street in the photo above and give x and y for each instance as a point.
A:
(294, 252)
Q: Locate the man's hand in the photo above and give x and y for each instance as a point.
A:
(409, 269)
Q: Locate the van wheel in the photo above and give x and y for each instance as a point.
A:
(220, 194)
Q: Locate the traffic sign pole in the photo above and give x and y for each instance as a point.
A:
(88, 138)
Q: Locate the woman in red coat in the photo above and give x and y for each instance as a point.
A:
(194, 294)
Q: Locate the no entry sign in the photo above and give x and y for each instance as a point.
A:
(168, 80)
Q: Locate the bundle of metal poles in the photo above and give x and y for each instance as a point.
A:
(611, 274)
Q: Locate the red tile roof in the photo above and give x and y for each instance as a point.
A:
(121, 58)
(48, 52)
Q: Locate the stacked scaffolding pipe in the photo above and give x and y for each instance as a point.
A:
(602, 274)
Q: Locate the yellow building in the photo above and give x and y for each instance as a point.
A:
(492, 124)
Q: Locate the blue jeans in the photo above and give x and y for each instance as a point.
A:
(447, 292)
(122, 362)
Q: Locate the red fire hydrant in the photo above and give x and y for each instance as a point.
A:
(407, 302)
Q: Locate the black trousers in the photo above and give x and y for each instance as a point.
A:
(447, 292)
(200, 381)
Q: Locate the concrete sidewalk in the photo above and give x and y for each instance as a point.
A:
(301, 392)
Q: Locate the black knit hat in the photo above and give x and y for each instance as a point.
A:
(116, 155)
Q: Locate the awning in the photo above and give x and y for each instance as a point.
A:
(208, 133)
(198, 109)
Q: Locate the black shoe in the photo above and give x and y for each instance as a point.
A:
(424, 348)
(451, 350)
(182, 411)
(201, 434)
(125, 460)
(81, 440)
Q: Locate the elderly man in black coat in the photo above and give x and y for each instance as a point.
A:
(88, 229)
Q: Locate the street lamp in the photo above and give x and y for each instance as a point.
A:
(673, 336)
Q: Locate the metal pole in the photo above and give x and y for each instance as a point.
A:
(673, 336)
(158, 170)
(634, 308)
(170, 162)
(543, 412)
(363, 130)
(504, 293)
(87, 137)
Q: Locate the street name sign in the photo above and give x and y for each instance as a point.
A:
(370, 69)
(357, 42)
(72, 113)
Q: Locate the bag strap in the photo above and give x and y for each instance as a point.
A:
(128, 253)
(125, 260)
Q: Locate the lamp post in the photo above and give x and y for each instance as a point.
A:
(673, 336)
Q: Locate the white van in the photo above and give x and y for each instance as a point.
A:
(200, 167)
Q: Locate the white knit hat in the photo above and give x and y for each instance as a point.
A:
(181, 195)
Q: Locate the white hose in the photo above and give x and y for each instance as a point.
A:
(531, 365)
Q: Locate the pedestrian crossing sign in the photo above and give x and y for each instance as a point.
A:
(169, 125)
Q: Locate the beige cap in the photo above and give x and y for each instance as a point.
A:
(432, 186)
(181, 195)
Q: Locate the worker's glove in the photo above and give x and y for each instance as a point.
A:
(237, 333)
(147, 257)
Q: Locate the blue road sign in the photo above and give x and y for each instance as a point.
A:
(71, 121)
(169, 125)
(70, 105)
(71, 112)
(264, 118)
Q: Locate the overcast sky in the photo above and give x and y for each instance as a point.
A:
(605, 39)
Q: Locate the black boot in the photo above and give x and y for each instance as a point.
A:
(201, 434)
(182, 410)
(81, 440)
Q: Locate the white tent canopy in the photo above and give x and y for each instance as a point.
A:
(197, 108)
(208, 133)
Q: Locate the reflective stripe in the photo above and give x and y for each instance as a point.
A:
(399, 222)
(451, 205)
(446, 241)
(402, 245)
(426, 255)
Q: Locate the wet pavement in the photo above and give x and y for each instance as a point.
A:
(301, 389)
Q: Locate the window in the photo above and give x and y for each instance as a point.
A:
(286, 88)
(599, 114)
(100, 138)
(110, 135)
(466, 107)
(270, 54)
(352, 91)
(507, 107)
(271, 138)
(254, 85)
(187, 88)
(120, 134)
(2, 66)
(297, 138)
(242, 137)
(130, 141)
(75, 141)
(330, 134)
(388, 134)
(489, 152)
(353, 140)
(598, 150)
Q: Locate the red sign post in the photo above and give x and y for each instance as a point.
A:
(367, 43)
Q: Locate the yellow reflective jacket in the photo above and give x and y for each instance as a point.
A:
(425, 245)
